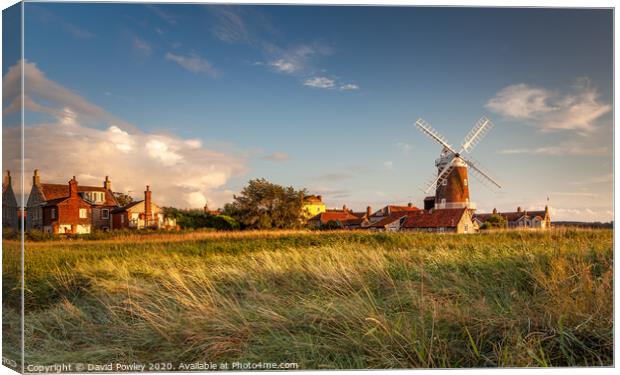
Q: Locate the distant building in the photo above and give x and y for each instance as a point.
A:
(10, 208)
(390, 223)
(69, 208)
(520, 218)
(344, 218)
(389, 210)
(211, 212)
(69, 214)
(312, 205)
(142, 214)
(446, 220)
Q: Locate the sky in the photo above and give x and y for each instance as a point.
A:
(195, 100)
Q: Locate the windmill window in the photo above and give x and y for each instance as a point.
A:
(465, 182)
(444, 182)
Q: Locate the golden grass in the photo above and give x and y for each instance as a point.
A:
(325, 300)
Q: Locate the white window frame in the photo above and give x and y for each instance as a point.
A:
(444, 182)
(85, 213)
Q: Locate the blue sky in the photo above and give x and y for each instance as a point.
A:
(325, 98)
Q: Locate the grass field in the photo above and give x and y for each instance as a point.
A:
(322, 300)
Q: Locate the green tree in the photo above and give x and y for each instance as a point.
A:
(494, 221)
(122, 198)
(264, 205)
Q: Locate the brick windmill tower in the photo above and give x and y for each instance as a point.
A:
(451, 182)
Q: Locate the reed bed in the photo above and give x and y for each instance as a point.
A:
(330, 300)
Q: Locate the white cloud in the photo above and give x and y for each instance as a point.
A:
(403, 147)
(230, 27)
(388, 165)
(564, 149)
(194, 64)
(295, 59)
(180, 171)
(277, 156)
(141, 46)
(349, 87)
(168, 17)
(319, 82)
(608, 177)
(285, 66)
(548, 110)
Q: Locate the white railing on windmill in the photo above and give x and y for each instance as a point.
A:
(450, 157)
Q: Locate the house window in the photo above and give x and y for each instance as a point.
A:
(122, 219)
(53, 213)
(443, 200)
(465, 227)
(105, 213)
(83, 213)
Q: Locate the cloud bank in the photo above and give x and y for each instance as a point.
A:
(181, 171)
(549, 110)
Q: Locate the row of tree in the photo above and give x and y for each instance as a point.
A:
(260, 205)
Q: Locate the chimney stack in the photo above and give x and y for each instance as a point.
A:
(8, 178)
(519, 209)
(409, 204)
(36, 179)
(344, 207)
(147, 206)
(73, 187)
(494, 211)
(320, 197)
(107, 184)
(368, 211)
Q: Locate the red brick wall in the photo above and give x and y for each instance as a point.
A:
(67, 212)
(455, 191)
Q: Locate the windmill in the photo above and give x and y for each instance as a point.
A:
(451, 185)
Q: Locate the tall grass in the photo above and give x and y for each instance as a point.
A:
(324, 300)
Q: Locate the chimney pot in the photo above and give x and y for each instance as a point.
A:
(147, 207)
(36, 179)
(409, 204)
(107, 184)
(73, 187)
(519, 209)
(368, 211)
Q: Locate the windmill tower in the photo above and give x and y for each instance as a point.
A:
(451, 182)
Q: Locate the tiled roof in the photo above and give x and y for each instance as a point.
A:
(393, 208)
(312, 199)
(339, 216)
(127, 206)
(55, 191)
(53, 202)
(511, 216)
(388, 220)
(447, 218)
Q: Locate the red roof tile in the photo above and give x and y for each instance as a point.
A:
(55, 191)
(339, 216)
(393, 208)
(448, 218)
(388, 220)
